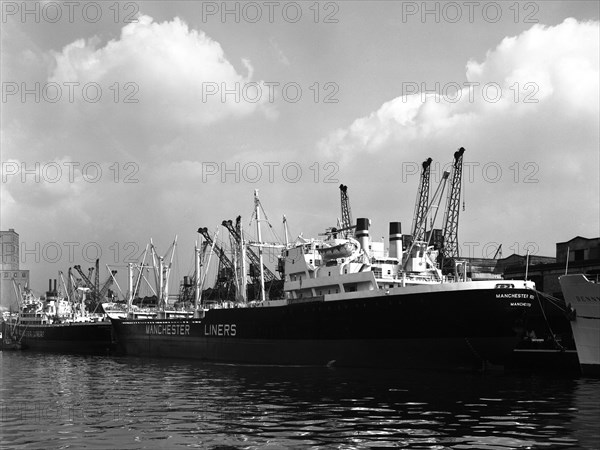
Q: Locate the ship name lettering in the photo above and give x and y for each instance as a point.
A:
(585, 299)
(221, 329)
(520, 304)
(511, 295)
(170, 329)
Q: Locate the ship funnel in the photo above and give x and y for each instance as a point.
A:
(50, 285)
(362, 233)
(54, 290)
(396, 240)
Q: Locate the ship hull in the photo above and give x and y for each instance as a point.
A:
(429, 329)
(583, 296)
(83, 337)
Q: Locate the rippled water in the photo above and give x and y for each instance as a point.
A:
(64, 401)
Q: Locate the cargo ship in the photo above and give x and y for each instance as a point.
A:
(582, 296)
(57, 325)
(349, 302)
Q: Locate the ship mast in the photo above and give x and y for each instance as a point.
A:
(168, 271)
(244, 268)
(260, 249)
(285, 230)
(197, 279)
(161, 286)
(162, 272)
(141, 276)
(130, 288)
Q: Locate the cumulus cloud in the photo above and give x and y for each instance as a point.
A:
(561, 60)
(544, 72)
(177, 75)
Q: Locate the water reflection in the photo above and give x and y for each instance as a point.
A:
(59, 400)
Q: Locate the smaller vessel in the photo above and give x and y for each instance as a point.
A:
(582, 296)
(55, 324)
(7, 339)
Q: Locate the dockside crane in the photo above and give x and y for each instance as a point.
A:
(252, 256)
(421, 203)
(107, 284)
(88, 283)
(219, 251)
(450, 250)
(96, 293)
(347, 224)
(70, 284)
(226, 266)
(73, 284)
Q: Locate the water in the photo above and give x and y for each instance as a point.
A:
(66, 401)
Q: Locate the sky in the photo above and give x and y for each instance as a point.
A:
(123, 122)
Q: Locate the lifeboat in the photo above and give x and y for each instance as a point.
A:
(341, 248)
